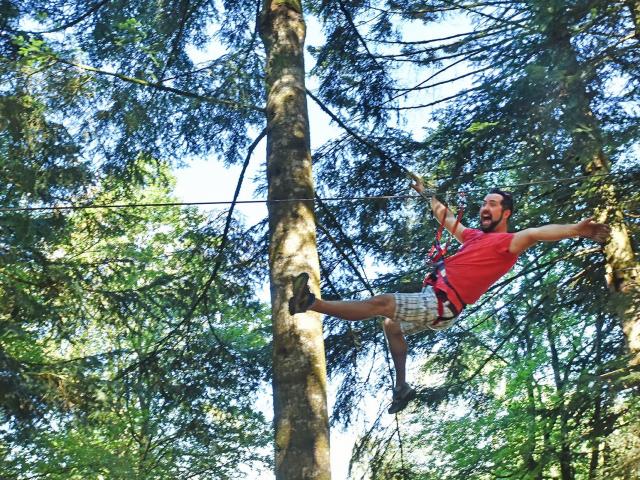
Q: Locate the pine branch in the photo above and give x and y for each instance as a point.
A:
(240, 64)
(186, 320)
(186, 13)
(431, 77)
(405, 57)
(69, 24)
(452, 7)
(357, 33)
(461, 93)
(420, 86)
(623, 378)
(336, 244)
(346, 258)
(507, 337)
(165, 88)
(355, 134)
(471, 9)
(473, 35)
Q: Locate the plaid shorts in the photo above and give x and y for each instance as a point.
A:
(418, 311)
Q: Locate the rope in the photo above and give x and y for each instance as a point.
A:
(179, 204)
(287, 200)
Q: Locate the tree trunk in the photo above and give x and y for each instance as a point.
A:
(564, 456)
(596, 422)
(634, 9)
(299, 370)
(534, 467)
(623, 271)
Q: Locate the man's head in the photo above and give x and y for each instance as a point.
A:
(496, 209)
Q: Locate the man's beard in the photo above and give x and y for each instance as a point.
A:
(492, 226)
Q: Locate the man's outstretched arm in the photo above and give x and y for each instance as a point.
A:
(586, 228)
(439, 210)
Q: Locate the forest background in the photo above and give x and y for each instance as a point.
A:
(133, 343)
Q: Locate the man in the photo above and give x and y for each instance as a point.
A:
(485, 256)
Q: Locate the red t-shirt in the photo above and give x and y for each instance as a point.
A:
(481, 260)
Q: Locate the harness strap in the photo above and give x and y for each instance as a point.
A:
(438, 252)
(446, 280)
(431, 280)
(436, 258)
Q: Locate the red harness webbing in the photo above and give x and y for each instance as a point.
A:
(437, 252)
(435, 257)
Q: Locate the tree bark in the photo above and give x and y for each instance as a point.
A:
(596, 422)
(634, 9)
(299, 370)
(565, 456)
(533, 466)
(622, 270)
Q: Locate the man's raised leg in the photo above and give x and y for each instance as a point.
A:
(380, 305)
(352, 310)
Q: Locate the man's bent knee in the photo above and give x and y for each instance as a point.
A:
(395, 336)
(392, 328)
(385, 304)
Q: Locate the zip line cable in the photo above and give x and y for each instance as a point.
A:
(287, 200)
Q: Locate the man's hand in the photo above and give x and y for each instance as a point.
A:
(595, 231)
(416, 183)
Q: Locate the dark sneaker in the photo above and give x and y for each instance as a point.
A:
(401, 398)
(302, 297)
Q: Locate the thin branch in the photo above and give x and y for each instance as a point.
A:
(404, 57)
(421, 85)
(473, 35)
(355, 134)
(362, 40)
(461, 93)
(160, 86)
(223, 241)
(431, 77)
(71, 23)
(491, 17)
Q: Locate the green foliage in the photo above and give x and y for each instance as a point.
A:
(135, 384)
(116, 361)
(101, 334)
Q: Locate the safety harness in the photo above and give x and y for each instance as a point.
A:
(435, 258)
